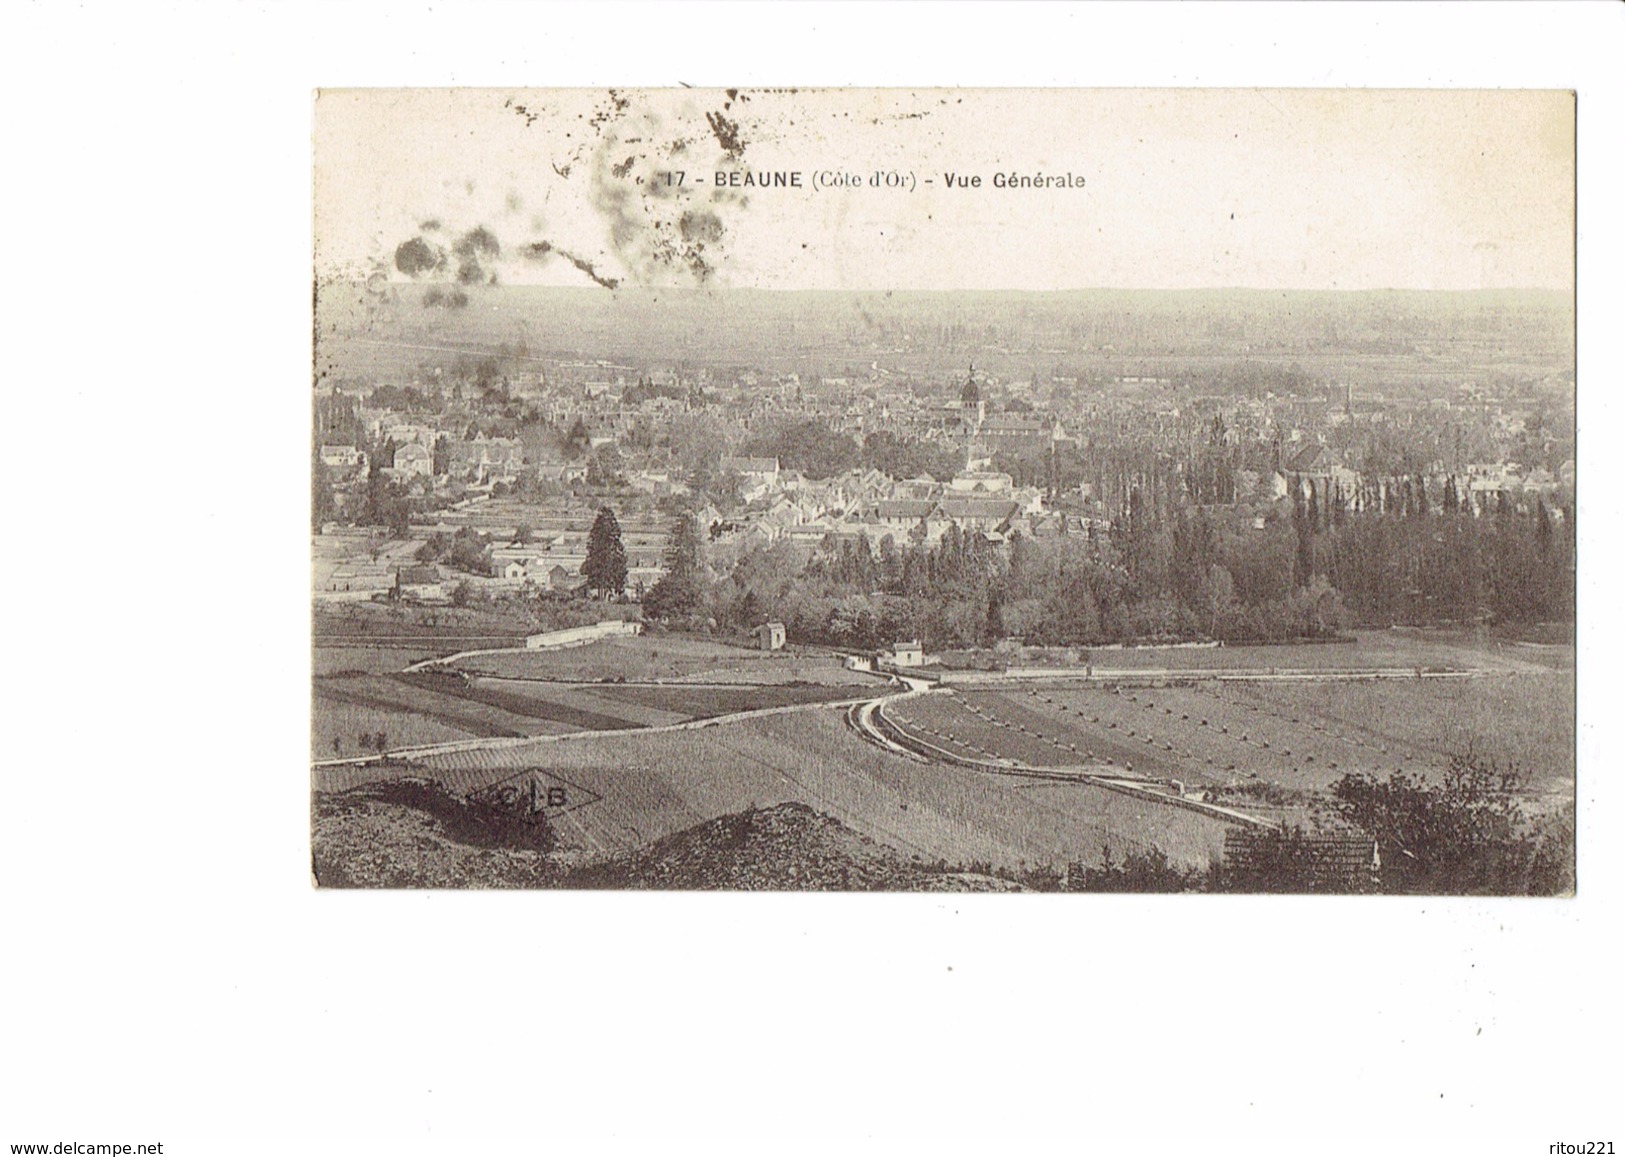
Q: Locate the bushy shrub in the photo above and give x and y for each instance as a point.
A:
(1147, 871)
(1466, 836)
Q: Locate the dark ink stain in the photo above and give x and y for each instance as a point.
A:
(698, 265)
(656, 231)
(700, 226)
(530, 117)
(417, 257)
(471, 249)
(727, 134)
(618, 104)
(542, 250)
(431, 225)
(564, 172)
(478, 242)
(586, 267)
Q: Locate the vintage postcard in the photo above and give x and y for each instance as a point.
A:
(944, 490)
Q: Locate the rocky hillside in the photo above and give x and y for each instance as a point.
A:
(413, 834)
(789, 847)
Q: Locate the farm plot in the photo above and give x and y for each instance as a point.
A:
(1299, 735)
(366, 660)
(1200, 733)
(650, 785)
(429, 707)
(695, 702)
(1520, 722)
(348, 723)
(959, 725)
(574, 706)
(407, 699)
(824, 670)
(667, 659)
(1370, 649)
(1055, 728)
(614, 706)
(1206, 733)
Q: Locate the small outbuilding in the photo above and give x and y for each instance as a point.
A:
(770, 636)
(909, 654)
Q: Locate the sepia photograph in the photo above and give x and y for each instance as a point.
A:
(954, 579)
(944, 490)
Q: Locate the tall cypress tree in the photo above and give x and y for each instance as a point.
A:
(605, 567)
(679, 589)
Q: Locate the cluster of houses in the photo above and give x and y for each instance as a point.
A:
(783, 505)
(478, 461)
(1480, 487)
(786, 506)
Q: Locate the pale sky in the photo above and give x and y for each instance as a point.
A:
(1183, 188)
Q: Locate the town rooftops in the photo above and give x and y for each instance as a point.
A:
(993, 509)
(892, 508)
(1007, 424)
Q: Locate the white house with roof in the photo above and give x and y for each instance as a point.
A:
(908, 653)
(764, 470)
(981, 482)
(413, 458)
(486, 459)
(343, 457)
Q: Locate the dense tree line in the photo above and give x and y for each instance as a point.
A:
(1307, 567)
(1400, 554)
(967, 591)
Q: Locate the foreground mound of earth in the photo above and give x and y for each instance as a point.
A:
(415, 834)
(789, 847)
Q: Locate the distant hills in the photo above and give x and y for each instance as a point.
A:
(394, 328)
